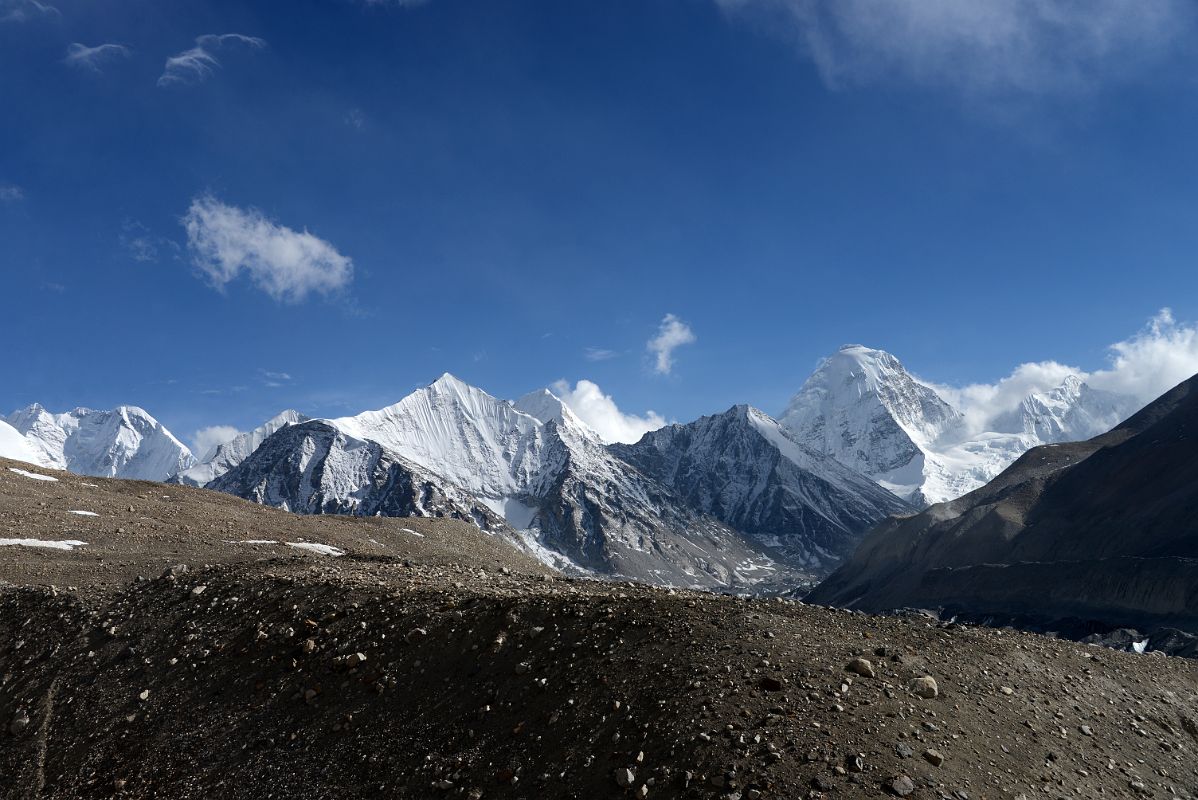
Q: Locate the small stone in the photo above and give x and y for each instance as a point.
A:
(1007, 690)
(522, 668)
(933, 757)
(901, 786)
(771, 684)
(199, 590)
(144, 696)
(355, 659)
(415, 635)
(862, 667)
(625, 777)
(19, 724)
(1086, 730)
(925, 687)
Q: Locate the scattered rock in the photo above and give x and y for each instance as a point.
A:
(862, 667)
(925, 687)
(625, 777)
(901, 786)
(933, 757)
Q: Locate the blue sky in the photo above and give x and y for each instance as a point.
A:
(327, 207)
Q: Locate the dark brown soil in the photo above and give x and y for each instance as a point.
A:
(244, 679)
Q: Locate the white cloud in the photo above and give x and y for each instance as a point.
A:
(1156, 359)
(286, 264)
(980, 47)
(196, 64)
(25, 10)
(1143, 367)
(671, 334)
(205, 439)
(11, 193)
(599, 411)
(80, 55)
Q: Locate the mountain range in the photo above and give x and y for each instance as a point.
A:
(735, 500)
(864, 409)
(1105, 529)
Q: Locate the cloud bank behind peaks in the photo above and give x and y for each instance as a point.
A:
(198, 63)
(288, 265)
(980, 47)
(1144, 366)
(599, 411)
(671, 334)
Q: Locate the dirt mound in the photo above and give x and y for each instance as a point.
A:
(449, 666)
(367, 678)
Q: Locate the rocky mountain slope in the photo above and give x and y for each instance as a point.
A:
(864, 409)
(1097, 530)
(581, 509)
(125, 442)
(224, 457)
(428, 659)
(580, 504)
(744, 469)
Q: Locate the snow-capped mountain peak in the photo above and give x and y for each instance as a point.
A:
(125, 442)
(224, 457)
(862, 407)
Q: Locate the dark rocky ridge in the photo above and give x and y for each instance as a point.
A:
(1104, 530)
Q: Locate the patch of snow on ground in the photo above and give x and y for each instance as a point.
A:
(414, 533)
(322, 549)
(65, 544)
(84, 513)
(34, 475)
(254, 541)
(90, 485)
(1140, 647)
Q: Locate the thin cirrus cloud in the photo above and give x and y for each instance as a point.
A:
(288, 265)
(93, 58)
(26, 10)
(1143, 366)
(600, 412)
(599, 354)
(11, 193)
(987, 49)
(198, 63)
(672, 333)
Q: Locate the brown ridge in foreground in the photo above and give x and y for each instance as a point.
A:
(447, 666)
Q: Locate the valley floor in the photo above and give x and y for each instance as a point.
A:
(429, 661)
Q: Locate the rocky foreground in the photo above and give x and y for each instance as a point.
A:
(405, 668)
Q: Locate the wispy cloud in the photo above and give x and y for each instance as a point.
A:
(355, 119)
(142, 244)
(198, 63)
(205, 439)
(984, 48)
(286, 264)
(25, 10)
(1143, 366)
(92, 58)
(599, 354)
(11, 193)
(671, 334)
(274, 380)
(600, 411)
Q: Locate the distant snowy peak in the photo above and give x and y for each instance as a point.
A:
(228, 455)
(1072, 411)
(481, 443)
(744, 469)
(863, 408)
(125, 442)
(15, 446)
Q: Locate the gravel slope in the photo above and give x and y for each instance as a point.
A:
(473, 673)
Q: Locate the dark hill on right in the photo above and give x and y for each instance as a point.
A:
(1101, 532)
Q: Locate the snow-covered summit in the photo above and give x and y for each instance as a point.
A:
(863, 408)
(15, 446)
(223, 457)
(125, 442)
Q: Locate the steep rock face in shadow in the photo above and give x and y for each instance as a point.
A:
(1104, 529)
